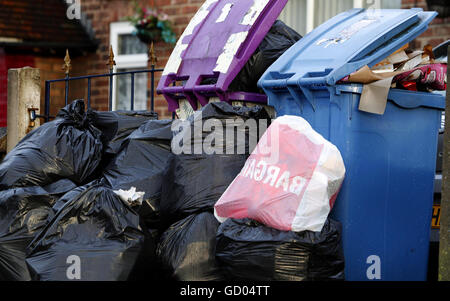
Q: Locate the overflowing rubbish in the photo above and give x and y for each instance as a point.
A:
(290, 181)
(141, 162)
(195, 179)
(371, 123)
(197, 176)
(424, 78)
(186, 250)
(131, 196)
(404, 69)
(94, 236)
(24, 212)
(224, 192)
(69, 147)
(248, 250)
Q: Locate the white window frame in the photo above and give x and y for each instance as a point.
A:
(310, 8)
(124, 61)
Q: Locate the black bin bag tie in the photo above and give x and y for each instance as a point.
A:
(70, 147)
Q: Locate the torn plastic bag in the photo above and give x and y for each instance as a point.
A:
(279, 39)
(68, 147)
(141, 163)
(248, 250)
(290, 182)
(93, 237)
(198, 174)
(23, 213)
(186, 251)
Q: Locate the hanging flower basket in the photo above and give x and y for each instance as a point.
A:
(147, 35)
(151, 25)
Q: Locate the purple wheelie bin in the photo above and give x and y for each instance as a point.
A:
(214, 47)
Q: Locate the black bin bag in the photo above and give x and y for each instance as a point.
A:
(118, 125)
(68, 147)
(186, 251)
(24, 212)
(248, 250)
(194, 181)
(198, 182)
(140, 163)
(93, 237)
(279, 39)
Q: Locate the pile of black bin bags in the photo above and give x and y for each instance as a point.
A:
(193, 183)
(60, 218)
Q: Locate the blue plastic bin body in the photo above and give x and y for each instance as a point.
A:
(385, 203)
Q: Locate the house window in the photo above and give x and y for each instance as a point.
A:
(130, 55)
(305, 15)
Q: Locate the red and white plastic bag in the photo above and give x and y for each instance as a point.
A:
(289, 182)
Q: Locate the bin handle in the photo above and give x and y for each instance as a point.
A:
(412, 100)
(403, 98)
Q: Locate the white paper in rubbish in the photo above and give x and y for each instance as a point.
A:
(412, 63)
(131, 196)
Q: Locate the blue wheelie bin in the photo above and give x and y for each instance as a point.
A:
(385, 204)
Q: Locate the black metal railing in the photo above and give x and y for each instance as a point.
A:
(89, 78)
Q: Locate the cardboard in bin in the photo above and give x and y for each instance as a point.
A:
(340, 47)
(217, 44)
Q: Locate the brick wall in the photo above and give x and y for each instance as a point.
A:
(438, 31)
(101, 13)
(51, 68)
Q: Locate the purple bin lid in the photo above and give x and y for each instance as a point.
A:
(216, 45)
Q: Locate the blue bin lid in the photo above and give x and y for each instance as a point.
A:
(344, 44)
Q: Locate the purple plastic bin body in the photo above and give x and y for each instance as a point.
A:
(217, 44)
